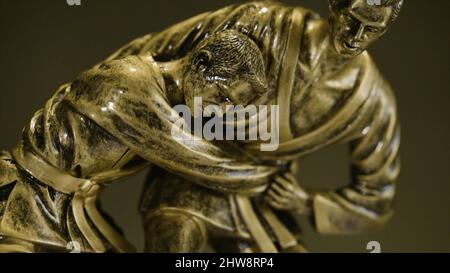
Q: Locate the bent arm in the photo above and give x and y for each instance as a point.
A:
(367, 202)
(126, 97)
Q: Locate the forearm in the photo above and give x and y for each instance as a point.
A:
(336, 213)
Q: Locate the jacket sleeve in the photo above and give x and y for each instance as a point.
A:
(126, 97)
(375, 164)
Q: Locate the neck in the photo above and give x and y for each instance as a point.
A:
(174, 80)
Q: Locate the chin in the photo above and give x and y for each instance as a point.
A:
(350, 54)
(341, 49)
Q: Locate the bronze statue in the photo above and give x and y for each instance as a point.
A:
(330, 92)
(117, 119)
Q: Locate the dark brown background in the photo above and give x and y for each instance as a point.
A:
(47, 43)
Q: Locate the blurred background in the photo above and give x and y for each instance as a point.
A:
(46, 43)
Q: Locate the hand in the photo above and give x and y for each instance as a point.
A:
(285, 193)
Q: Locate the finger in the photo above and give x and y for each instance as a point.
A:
(283, 182)
(302, 194)
(274, 203)
(272, 200)
(280, 191)
(291, 177)
(276, 197)
(298, 189)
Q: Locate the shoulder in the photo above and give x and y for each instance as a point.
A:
(132, 74)
(131, 68)
(260, 9)
(379, 84)
(377, 100)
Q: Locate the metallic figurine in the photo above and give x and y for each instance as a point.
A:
(118, 118)
(330, 92)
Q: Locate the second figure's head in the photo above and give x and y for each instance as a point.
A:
(356, 24)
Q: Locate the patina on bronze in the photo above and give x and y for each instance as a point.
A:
(330, 92)
(116, 118)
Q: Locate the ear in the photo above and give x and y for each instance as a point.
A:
(259, 85)
(202, 59)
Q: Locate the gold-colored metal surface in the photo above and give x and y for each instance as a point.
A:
(117, 119)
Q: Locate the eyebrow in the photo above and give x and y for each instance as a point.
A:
(371, 24)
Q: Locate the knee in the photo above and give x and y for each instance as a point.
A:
(174, 232)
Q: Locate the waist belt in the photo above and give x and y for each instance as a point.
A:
(85, 194)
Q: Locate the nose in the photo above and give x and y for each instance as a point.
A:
(359, 33)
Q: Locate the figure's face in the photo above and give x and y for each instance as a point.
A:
(200, 80)
(357, 25)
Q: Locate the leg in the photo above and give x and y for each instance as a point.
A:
(174, 232)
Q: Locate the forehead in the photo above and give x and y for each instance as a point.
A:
(371, 14)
